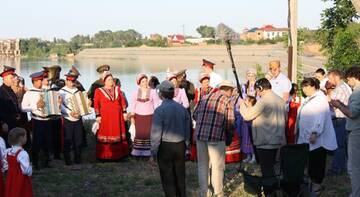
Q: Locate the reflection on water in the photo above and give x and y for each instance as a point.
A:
(124, 69)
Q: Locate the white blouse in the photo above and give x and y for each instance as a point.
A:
(22, 158)
(2, 150)
(314, 116)
(215, 79)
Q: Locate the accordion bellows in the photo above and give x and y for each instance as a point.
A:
(81, 104)
(52, 105)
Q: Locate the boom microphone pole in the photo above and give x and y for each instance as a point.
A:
(228, 47)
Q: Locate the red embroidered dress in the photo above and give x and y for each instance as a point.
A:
(17, 184)
(292, 115)
(111, 137)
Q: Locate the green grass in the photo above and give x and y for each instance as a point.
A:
(135, 178)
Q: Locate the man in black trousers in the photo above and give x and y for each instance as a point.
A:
(9, 108)
(170, 132)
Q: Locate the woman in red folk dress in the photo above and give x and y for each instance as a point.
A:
(17, 162)
(109, 105)
(294, 104)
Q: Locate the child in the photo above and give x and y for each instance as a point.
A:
(18, 181)
(246, 135)
(294, 104)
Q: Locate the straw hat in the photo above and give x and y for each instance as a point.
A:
(226, 83)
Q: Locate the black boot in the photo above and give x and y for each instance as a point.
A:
(78, 157)
(46, 161)
(35, 161)
(67, 159)
(84, 143)
(57, 156)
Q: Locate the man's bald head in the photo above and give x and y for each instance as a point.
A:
(274, 67)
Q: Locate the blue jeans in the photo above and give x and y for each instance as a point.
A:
(338, 164)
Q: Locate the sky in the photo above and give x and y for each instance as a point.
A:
(47, 19)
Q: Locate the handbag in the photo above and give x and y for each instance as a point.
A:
(132, 131)
(95, 127)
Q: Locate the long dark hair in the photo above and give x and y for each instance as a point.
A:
(153, 82)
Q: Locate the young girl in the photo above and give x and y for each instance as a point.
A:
(246, 135)
(18, 181)
(294, 104)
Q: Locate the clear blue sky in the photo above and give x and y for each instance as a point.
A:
(65, 18)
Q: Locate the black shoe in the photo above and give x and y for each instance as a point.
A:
(67, 159)
(36, 167)
(57, 157)
(35, 161)
(77, 158)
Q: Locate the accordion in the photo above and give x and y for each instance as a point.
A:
(79, 103)
(52, 106)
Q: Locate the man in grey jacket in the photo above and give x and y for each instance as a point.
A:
(170, 132)
(268, 117)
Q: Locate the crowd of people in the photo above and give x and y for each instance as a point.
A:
(173, 121)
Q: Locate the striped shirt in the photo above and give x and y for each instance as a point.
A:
(342, 93)
(214, 117)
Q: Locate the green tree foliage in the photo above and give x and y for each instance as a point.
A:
(206, 31)
(128, 38)
(34, 47)
(335, 19)
(156, 40)
(346, 50)
(337, 38)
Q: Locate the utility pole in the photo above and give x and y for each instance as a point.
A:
(292, 49)
(183, 27)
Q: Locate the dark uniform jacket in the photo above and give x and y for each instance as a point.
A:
(9, 107)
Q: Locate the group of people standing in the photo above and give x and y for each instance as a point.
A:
(172, 121)
(270, 113)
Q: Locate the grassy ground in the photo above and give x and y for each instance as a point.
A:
(134, 177)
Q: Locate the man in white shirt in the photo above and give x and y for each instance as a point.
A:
(281, 85)
(73, 127)
(34, 103)
(342, 93)
(215, 79)
(321, 76)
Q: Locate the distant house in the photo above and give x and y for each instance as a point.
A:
(271, 32)
(252, 34)
(10, 47)
(198, 40)
(265, 32)
(176, 39)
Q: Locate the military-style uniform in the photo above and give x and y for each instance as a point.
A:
(73, 126)
(53, 74)
(9, 107)
(186, 84)
(42, 134)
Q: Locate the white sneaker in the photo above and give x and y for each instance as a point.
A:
(253, 159)
(248, 158)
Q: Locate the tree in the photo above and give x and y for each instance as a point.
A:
(346, 50)
(224, 32)
(335, 19)
(206, 31)
(337, 38)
